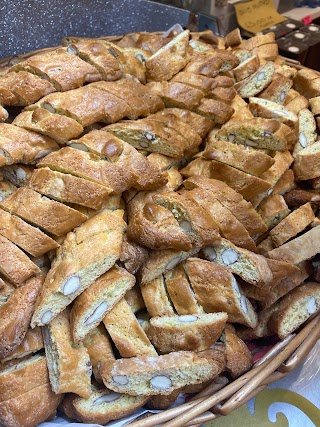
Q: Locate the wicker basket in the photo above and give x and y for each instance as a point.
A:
(217, 400)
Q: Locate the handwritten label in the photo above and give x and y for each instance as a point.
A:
(257, 15)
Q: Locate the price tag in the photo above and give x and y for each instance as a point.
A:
(257, 15)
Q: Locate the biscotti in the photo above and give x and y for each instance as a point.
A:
(238, 356)
(186, 332)
(95, 302)
(51, 216)
(14, 263)
(156, 298)
(76, 266)
(68, 363)
(31, 343)
(163, 374)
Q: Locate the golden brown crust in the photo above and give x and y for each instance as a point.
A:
(13, 411)
(180, 291)
(126, 333)
(176, 94)
(307, 83)
(58, 127)
(188, 332)
(306, 165)
(273, 209)
(246, 68)
(23, 146)
(232, 200)
(68, 363)
(23, 88)
(51, 216)
(93, 304)
(200, 124)
(217, 111)
(99, 349)
(278, 89)
(63, 70)
(16, 314)
(14, 263)
(156, 299)
(211, 62)
(239, 359)
(31, 343)
(29, 238)
(68, 188)
(92, 167)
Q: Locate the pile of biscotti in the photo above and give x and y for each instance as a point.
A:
(159, 199)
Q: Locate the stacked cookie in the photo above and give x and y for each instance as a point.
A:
(156, 193)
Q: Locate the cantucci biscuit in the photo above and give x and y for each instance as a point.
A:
(170, 59)
(95, 302)
(202, 125)
(238, 356)
(91, 167)
(278, 89)
(24, 235)
(241, 157)
(19, 145)
(68, 362)
(307, 130)
(257, 81)
(58, 127)
(67, 188)
(126, 333)
(102, 406)
(215, 286)
(14, 263)
(306, 165)
(307, 83)
(292, 225)
(210, 63)
(49, 215)
(100, 350)
(16, 313)
(156, 297)
(258, 132)
(64, 70)
(31, 343)
(251, 267)
(295, 308)
(193, 332)
(134, 298)
(77, 266)
(199, 166)
(246, 68)
(163, 374)
(179, 288)
(273, 209)
(267, 109)
(232, 200)
(217, 111)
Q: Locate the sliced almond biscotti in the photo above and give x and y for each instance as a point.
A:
(152, 136)
(299, 249)
(91, 167)
(58, 127)
(307, 130)
(245, 184)
(257, 81)
(68, 188)
(258, 132)
(246, 68)
(15, 265)
(24, 235)
(19, 145)
(216, 290)
(251, 267)
(232, 200)
(102, 406)
(49, 215)
(170, 59)
(96, 301)
(193, 332)
(267, 109)
(273, 209)
(156, 297)
(143, 376)
(229, 226)
(179, 289)
(295, 308)
(307, 83)
(307, 164)
(245, 158)
(77, 266)
(16, 313)
(99, 348)
(68, 363)
(238, 357)
(126, 332)
(292, 225)
(31, 343)
(278, 89)
(192, 217)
